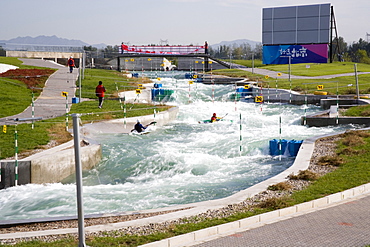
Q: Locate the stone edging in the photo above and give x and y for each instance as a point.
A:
(261, 219)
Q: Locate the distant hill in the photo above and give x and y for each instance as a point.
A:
(43, 40)
(236, 42)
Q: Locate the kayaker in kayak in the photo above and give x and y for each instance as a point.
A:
(214, 118)
(139, 127)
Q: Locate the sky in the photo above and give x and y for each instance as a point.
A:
(143, 22)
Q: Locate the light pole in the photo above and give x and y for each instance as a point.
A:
(230, 60)
(80, 209)
(252, 63)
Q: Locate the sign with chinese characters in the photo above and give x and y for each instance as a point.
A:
(280, 54)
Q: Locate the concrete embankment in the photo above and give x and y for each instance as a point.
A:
(118, 125)
(55, 164)
(49, 166)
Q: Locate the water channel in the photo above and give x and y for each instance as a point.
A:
(181, 162)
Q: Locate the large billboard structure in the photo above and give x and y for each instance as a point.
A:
(296, 34)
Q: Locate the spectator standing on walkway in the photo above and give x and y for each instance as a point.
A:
(99, 92)
(206, 47)
(71, 64)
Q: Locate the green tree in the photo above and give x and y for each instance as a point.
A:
(362, 56)
(340, 49)
(2, 52)
(356, 46)
(90, 48)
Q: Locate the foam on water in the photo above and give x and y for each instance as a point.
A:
(179, 163)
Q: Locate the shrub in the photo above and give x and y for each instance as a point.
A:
(275, 203)
(297, 89)
(280, 186)
(350, 151)
(350, 91)
(304, 175)
(330, 161)
(365, 113)
(352, 140)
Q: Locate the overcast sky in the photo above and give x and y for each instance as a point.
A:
(143, 22)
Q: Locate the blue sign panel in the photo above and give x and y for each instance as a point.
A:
(280, 54)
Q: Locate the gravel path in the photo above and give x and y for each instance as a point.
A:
(323, 147)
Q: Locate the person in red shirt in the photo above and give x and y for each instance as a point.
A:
(214, 118)
(71, 64)
(99, 92)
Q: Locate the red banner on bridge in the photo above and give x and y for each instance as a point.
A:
(176, 50)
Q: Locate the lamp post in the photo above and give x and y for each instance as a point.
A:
(230, 60)
(252, 63)
(80, 209)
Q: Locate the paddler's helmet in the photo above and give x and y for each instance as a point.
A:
(214, 114)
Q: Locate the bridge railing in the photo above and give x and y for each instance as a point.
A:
(180, 50)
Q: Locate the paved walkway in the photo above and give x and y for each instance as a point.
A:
(345, 224)
(50, 103)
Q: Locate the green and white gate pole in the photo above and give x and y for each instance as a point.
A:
(33, 110)
(155, 112)
(16, 155)
(67, 112)
(305, 107)
(120, 103)
(280, 151)
(240, 134)
(337, 115)
(79, 186)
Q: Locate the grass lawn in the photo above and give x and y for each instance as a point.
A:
(16, 94)
(18, 97)
(358, 111)
(318, 69)
(110, 79)
(16, 62)
(248, 63)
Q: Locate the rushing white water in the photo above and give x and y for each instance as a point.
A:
(179, 163)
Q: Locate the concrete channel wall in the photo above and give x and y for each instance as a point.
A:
(50, 166)
(292, 97)
(57, 163)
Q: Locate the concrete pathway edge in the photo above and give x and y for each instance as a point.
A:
(211, 233)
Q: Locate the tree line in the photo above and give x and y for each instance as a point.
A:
(357, 52)
(237, 51)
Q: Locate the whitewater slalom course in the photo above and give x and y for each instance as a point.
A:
(201, 207)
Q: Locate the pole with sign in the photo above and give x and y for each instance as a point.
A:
(65, 94)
